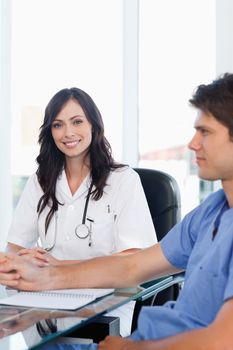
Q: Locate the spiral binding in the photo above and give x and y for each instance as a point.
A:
(61, 295)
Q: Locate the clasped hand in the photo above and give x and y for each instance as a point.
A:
(38, 256)
(17, 272)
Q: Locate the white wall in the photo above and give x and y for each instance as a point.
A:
(130, 83)
(224, 42)
(5, 122)
(224, 36)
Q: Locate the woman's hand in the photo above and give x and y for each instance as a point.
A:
(39, 256)
(19, 273)
(8, 276)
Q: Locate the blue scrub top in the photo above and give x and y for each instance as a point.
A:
(208, 263)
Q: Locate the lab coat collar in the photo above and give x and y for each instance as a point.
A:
(63, 187)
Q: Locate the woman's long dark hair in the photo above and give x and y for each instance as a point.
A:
(51, 160)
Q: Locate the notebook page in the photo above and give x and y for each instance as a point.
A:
(57, 299)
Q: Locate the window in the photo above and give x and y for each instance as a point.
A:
(177, 53)
(47, 45)
(58, 44)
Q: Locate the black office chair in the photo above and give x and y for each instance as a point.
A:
(163, 197)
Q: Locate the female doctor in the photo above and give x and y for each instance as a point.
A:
(80, 203)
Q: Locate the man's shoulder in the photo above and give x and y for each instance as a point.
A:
(214, 198)
(206, 208)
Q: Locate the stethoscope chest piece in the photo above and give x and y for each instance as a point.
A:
(82, 231)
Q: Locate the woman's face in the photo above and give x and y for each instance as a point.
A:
(71, 131)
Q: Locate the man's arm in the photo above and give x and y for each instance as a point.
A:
(116, 271)
(40, 256)
(217, 336)
(111, 271)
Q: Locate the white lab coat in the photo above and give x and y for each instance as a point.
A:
(121, 218)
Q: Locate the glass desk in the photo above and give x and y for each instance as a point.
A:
(19, 326)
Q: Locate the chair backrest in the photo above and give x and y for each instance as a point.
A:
(163, 197)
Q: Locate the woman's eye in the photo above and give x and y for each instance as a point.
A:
(56, 125)
(77, 121)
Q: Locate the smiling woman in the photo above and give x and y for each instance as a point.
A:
(72, 132)
(80, 203)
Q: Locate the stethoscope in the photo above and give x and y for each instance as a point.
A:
(82, 231)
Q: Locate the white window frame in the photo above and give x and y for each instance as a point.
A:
(5, 120)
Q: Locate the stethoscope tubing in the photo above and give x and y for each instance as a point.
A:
(78, 229)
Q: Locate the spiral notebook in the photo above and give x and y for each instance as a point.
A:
(67, 299)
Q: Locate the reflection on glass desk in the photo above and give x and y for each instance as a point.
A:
(19, 327)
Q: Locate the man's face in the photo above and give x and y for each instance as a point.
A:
(213, 148)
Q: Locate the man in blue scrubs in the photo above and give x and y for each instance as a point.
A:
(202, 245)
